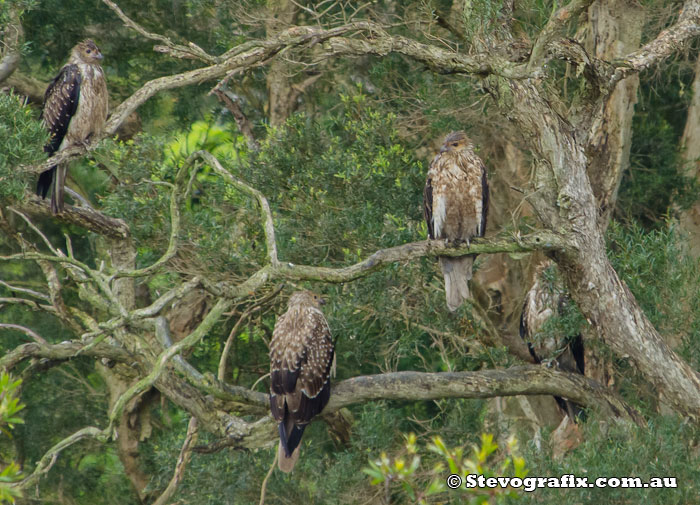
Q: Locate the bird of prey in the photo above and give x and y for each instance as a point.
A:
(455, 203)
(548, 298)
(75, 110)
(301, 358)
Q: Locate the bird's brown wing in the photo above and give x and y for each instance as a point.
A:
(484, 198)
(428, 206)
(313, 385)
(60, 104)
(301, 355)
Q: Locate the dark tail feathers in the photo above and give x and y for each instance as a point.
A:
(45, 180)
(288, 450)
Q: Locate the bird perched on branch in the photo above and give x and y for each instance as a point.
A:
(75, 110)
(455, 203)
(301, 358)
(548, 298)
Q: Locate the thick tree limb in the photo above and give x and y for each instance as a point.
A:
(85, 217)
(63, 352)
(668, 42)
(521, 380)
(416, 386)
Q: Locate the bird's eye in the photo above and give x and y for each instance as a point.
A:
(89, 51)
(455, 144)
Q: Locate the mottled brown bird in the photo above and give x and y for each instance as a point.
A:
(75, 110)
(548, 298)
(455, 203)
(301, 358)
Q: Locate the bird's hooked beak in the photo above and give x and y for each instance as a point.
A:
(443, 149)
(99, 56)
(321, 301)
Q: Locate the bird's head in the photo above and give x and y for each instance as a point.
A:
(86, 52)
(306, 298)
(456, 141)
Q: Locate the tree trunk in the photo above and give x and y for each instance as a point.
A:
(279, 84)
(690, 219)
(565, 202)
(614, 30)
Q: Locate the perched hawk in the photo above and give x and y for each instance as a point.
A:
(455, 202)
(301, 357)
(547, 298)
(75, 109)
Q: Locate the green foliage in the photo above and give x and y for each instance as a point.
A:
(22, 138)
(10, 406)
(19, 6)
(664, 279)
(660, 449)
(405, 474)
(9, 402)
(656, 184)
(203, 136)
(340, 185)
(479, 15)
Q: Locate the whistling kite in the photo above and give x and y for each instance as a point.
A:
(75, 109)
(301, 357)
(455, 202)
(547, 298)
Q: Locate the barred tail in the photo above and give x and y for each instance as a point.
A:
(457, 273)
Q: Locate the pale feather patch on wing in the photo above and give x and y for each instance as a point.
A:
(439, 214)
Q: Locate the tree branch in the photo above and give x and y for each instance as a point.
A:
(553, 29)
(229, 100)
(85, 217)
(49, 459)
(192, 51)
(521, 380)
(182, 460)
(417, 386)
(539, 241)
(160, 364)
(27, 331)
(63, 352)
(666, 43)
